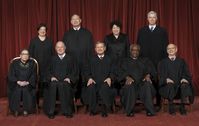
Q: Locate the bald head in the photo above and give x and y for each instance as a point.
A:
(60, 47)
(172, 49)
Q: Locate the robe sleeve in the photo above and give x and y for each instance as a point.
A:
(162, 72)
(74, 73)
(33, 75)
(31, 48)
(12, 73)
(185, 72)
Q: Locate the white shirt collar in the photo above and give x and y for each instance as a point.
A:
(172, 57)
(154, 26)
(62, 56)
(101, 56)
(76, 28)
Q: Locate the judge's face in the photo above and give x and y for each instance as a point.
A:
(116, 30)
(60, 48)
(152, 18)
(100, 48)
(24, 55)
(42, 31)
(172, 50)
(135, 52)
(75, 21)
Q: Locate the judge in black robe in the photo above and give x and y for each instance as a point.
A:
(63, 75)
(117, 47)
(100, 77)
(21, 84)
(79, 43)
(153, 41)
(135, 73)
(175, 79)
(41, 48)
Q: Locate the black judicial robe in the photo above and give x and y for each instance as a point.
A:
(22, 72)
(99, 70)
(117, 48)
(79, 44)
(42, 52)
(61, 69)
(137, 69)
(175, 70)
(153, 44)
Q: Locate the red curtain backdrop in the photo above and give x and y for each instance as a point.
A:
(19, 19)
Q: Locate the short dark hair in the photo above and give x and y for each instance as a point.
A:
(134, 45)
(41, 25)
(117, 23)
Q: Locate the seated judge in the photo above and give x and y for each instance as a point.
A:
(62, 75)
(175, 79)
(22, 78)
(136, 77)
(99, 78)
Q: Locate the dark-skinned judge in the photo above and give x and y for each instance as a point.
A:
(79, 43)
(153, 41)
(99, 76)
(63, 75)
(22, 79)
(175, 79)
(137, 83)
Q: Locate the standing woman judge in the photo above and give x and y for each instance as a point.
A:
(117, 47)
(41, 48)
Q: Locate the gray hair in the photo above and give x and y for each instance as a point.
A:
(152, 12)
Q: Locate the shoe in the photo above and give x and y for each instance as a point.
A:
(25, 113)
(172, 109)
(51, 116)
(150, 114)
(104, 114)
(68, 115)
(131, 114)
(92, 113)
(183, 110)
(16, 114)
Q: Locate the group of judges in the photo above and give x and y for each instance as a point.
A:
(148, 69)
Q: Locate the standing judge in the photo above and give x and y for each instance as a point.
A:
(153, 41)
(79, 43)
(41, 48)
(117, 47)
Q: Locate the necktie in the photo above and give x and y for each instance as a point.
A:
(172, 59)
(152, 28)
(101, 57)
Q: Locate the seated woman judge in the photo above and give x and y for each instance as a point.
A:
(22, 78)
